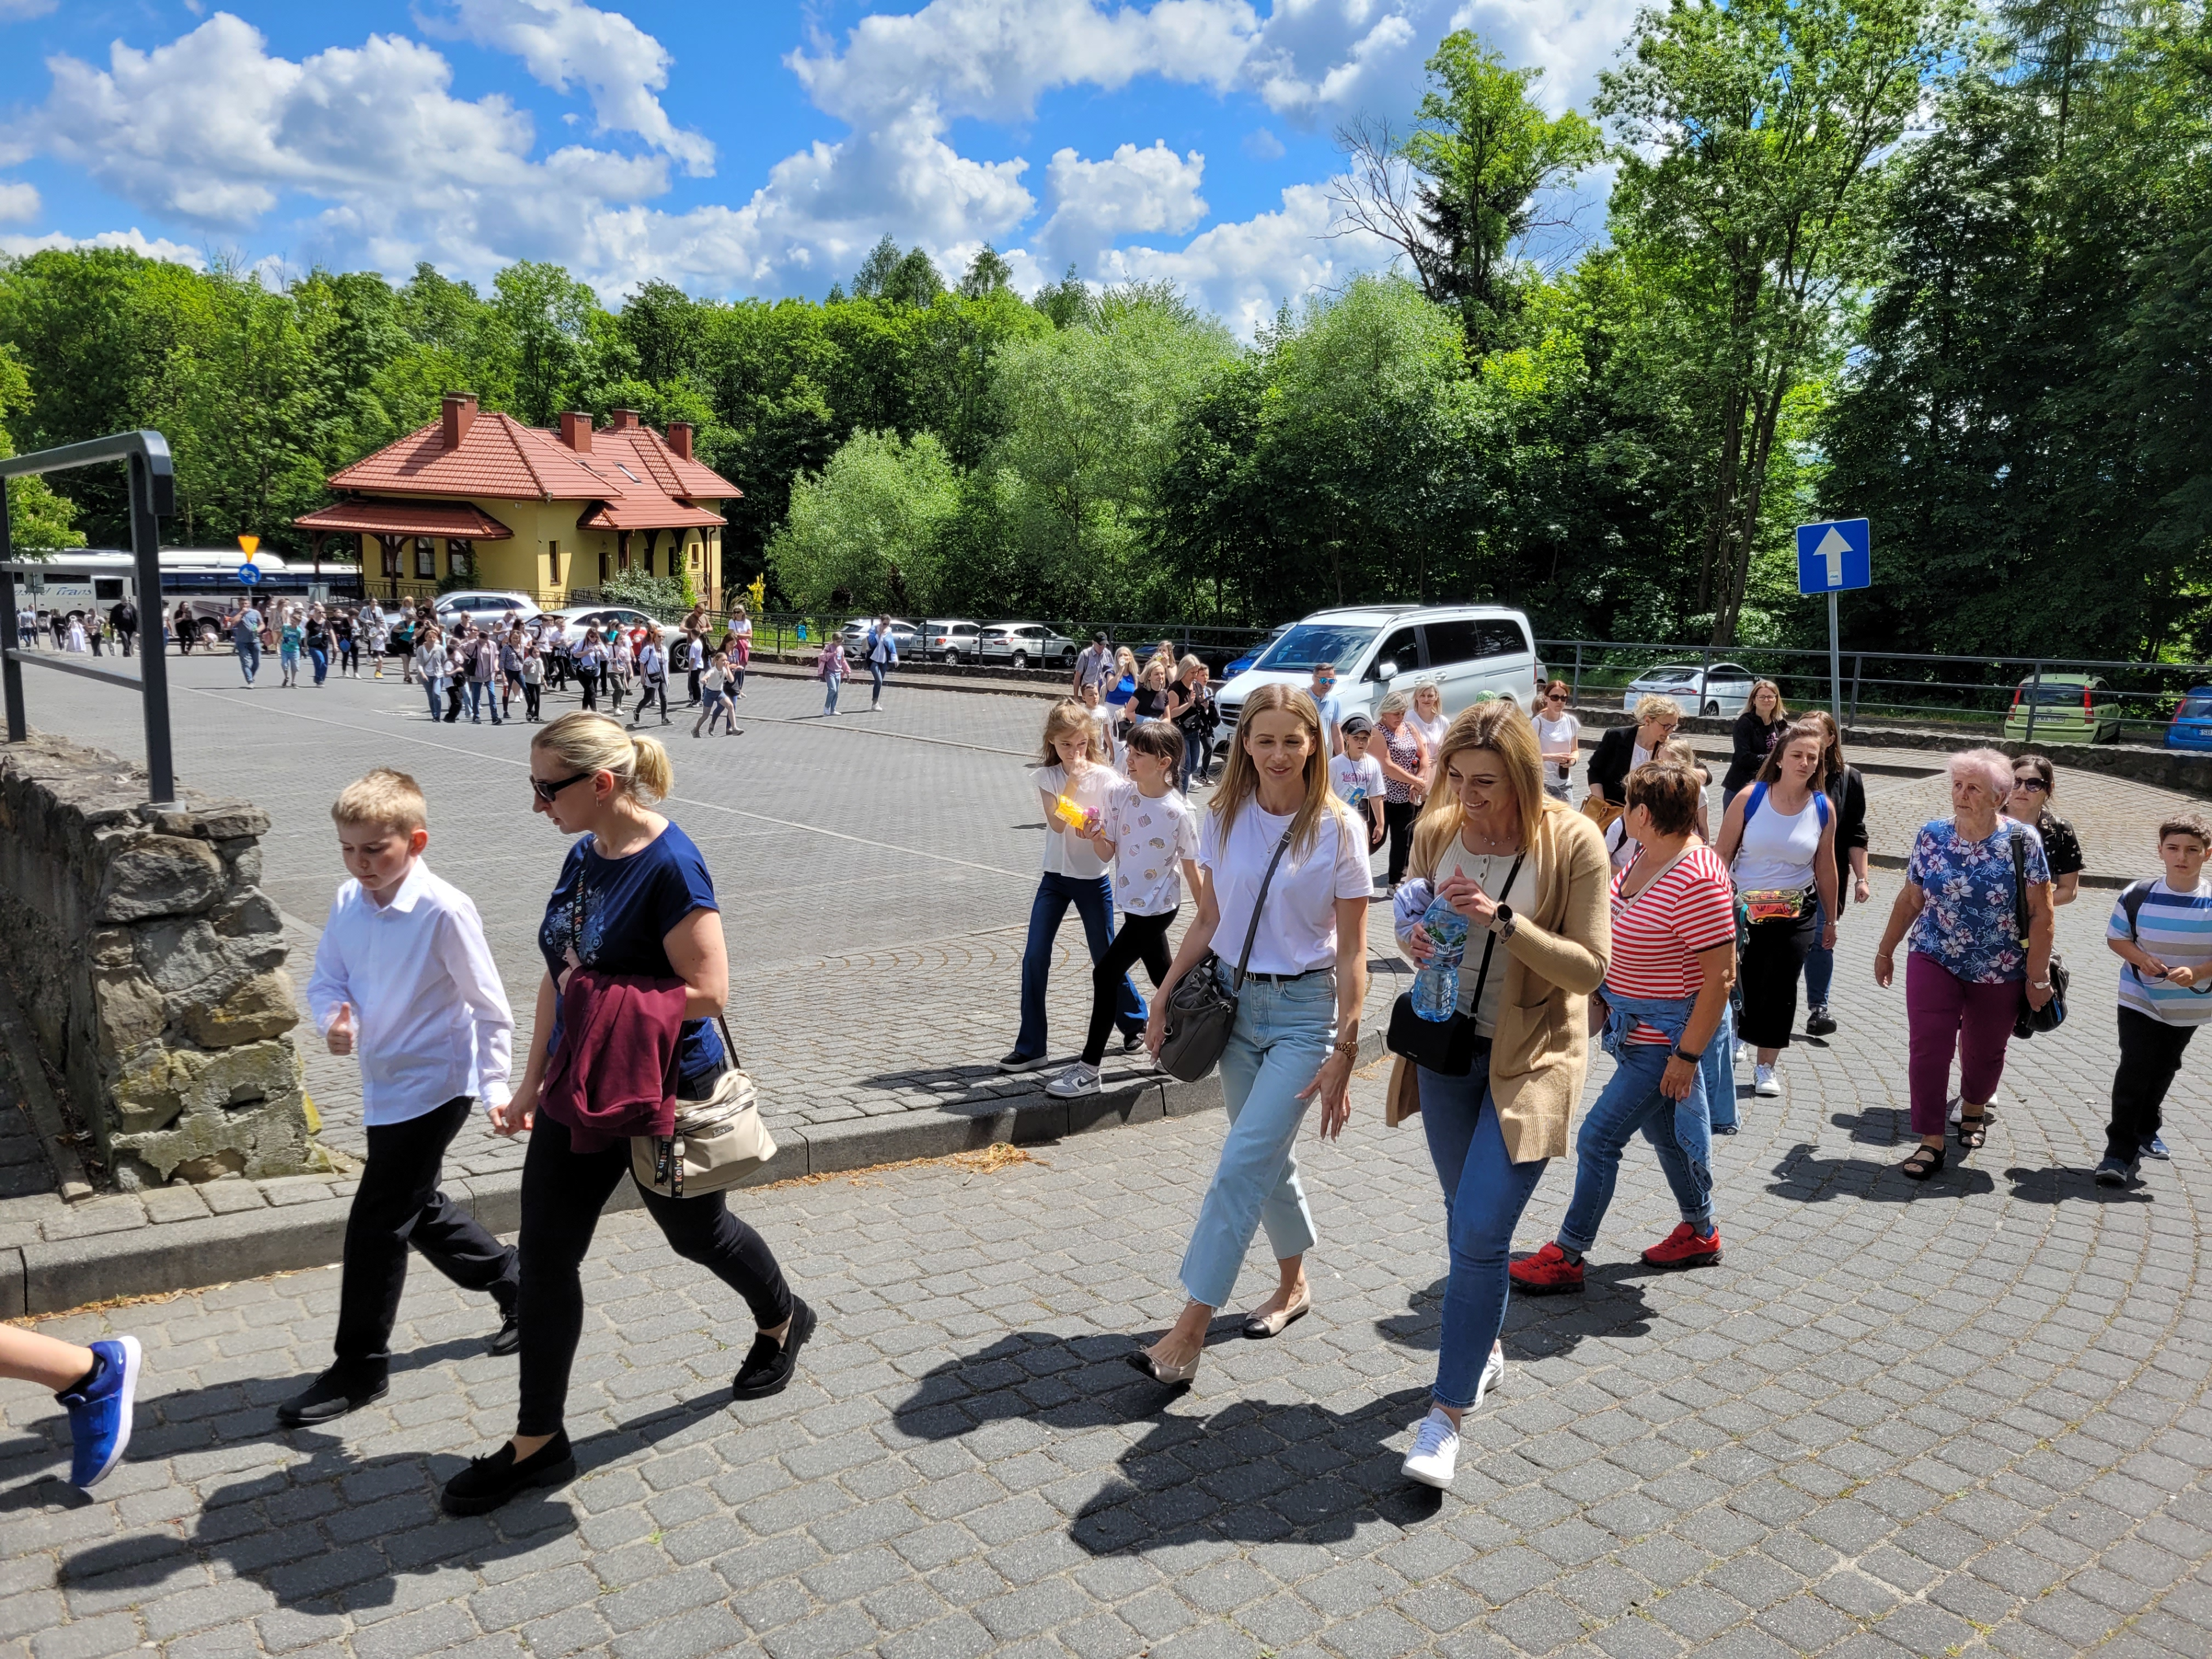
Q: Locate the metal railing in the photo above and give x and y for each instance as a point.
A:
(2012, 697)
(153, 493)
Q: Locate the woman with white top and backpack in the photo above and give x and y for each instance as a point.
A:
(1286, 889)
(1778, 841)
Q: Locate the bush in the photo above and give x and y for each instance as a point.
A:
(664, 597)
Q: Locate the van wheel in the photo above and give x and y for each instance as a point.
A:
(1711, 709)
(1021, 660)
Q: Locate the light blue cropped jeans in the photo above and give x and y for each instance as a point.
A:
(1283, 1032)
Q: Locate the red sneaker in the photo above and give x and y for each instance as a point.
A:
(1547, 1272)
(1683, 1248)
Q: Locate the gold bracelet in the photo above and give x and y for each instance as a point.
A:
(1349, 1048)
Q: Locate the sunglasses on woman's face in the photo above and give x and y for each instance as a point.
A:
(2033, 785)
(545, 790)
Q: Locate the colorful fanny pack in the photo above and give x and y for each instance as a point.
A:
(1772, 903)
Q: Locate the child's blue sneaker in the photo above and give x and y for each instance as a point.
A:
(2156, 1148)
(100, 1411)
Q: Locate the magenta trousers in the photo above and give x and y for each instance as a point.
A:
(1947, 1014)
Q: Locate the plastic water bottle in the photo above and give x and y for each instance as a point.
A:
(1435, 987)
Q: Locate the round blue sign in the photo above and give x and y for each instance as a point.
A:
(249, 574)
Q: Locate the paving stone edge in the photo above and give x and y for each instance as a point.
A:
(52, 1277)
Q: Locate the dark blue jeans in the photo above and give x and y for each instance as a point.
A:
(321, 658)
(1093, 899)
(876, 674)
(1485, 1193)
(1819, 961)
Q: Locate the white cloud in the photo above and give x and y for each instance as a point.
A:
(561, 41)
(1131, 190)
(153, 248)
(1261, 145)
(18, 201)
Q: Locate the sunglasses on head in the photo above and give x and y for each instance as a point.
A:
(545, 791)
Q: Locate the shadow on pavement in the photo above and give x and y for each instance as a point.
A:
(1800, 1174)
(1612, 1303)
(2059, 1184)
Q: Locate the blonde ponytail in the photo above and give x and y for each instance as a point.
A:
(587, 742)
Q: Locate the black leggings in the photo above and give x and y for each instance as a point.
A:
(587, 682)
(529, 699)
(562, 1192)
(1139, 938)
(1772, 959)
(1398, 817)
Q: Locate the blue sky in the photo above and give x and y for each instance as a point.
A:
(735, 150)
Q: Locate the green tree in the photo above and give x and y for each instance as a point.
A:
(39, 521)
(868, 525)
(554, 336)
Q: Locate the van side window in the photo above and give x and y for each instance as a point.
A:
(1496, 637)
(1456, 641)
(1399, 646)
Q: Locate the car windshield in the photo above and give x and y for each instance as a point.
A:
(2048, 696)
(2194, 708)
(1309, 644)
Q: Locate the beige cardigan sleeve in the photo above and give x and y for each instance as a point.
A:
(1573, 958)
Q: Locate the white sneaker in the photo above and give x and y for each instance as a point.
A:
(1435, 1455)
(1764, 1082)
(1743, 1053)
(1493, 1373)
(1077, 1079)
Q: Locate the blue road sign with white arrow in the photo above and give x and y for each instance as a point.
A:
(249, 573)
(1835, 556)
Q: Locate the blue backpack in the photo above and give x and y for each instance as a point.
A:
(1759, 794)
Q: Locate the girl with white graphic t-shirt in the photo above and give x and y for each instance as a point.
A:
(1151, 833)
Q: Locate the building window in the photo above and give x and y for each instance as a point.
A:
(459, 555)
(603, 564)
(553, 561)
(695, 556)
(426, 559)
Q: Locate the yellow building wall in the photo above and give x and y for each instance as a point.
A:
(547, 556)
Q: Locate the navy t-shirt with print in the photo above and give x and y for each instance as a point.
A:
(628, 905)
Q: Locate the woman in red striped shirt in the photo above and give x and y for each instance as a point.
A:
(1666, 996)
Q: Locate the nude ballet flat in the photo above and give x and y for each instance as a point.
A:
(1266, 1325)
(1174, 1377)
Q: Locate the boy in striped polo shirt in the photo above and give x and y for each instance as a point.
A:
(2162, 930)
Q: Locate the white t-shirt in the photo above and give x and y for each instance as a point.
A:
(1433, 732)
(1109, 734)
(1488, 870)
(1067, 852)
(1151, 837)
(1297, 926)
(1779, 848)
(1554, 735)
(1356, 781)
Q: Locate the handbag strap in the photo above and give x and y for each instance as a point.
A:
(1489, 940)
(2020, 885)
(1253, 931)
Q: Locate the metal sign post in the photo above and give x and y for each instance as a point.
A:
(153, 493)
(1832, 556)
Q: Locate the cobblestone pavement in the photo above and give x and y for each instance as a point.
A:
(1960, 1418)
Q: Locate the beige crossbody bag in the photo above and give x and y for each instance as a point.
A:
(718, 1142)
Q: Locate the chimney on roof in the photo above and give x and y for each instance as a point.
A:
(461, 411)
(576, 432)
(679, 438)
(622, 420)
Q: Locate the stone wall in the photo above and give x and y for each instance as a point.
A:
(151, 968)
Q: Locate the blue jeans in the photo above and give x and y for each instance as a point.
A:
(1718, 1072)
(1281, 1037)
(1485, 1193)
(1819, 961)
(829, 696)
(321, 658)
(1093, 899)
(875, 673)
(435, 690)
(1679, 1131)
(249, 658)
(477, 696)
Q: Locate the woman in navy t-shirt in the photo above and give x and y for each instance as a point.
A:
(633, 899)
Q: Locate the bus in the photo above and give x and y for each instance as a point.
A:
(78, 580)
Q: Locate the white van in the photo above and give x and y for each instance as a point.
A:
(1466, 649)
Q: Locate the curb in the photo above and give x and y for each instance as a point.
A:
(46, 1279)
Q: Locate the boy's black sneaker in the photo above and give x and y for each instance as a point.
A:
(769, 1364)
(2114, 1173)
(487, 1482)
(333, 1394)
(1820, 1022)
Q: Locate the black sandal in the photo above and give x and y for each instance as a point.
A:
(1973, 1130)
(1926, 1161)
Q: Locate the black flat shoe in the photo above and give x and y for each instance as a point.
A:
(487, 1482)
(508, 1337)
(769, 1364)
(331, 1395)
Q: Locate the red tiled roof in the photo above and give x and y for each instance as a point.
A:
(638, 511)
(462, 518)
(649, 457)
(499, 457)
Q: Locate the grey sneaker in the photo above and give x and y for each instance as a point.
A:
(2114, 1173)
(1077, 1079)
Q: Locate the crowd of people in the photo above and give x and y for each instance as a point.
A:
(1627, 917)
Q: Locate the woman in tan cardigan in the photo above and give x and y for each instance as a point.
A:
(1530, 876)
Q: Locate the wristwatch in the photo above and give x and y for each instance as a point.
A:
(1680, 1052)
(1502, 922)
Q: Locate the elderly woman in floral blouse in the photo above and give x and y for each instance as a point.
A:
(1964, 977)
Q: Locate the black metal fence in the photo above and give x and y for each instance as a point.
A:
(2125, 701)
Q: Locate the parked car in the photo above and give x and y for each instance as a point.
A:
(574, 619)
(1237, 665)
(2191, 725)
(1467, 650)
(2069, 709)
(483, 606)
(950, 641)
(1720, 691)
(904, 634)
(1024, 645)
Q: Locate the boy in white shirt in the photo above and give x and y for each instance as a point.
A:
(1151, 833)
(402, 974)
(1356, 776)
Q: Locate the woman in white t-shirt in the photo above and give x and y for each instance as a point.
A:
(1072, 769)
(1297, 1013)
(1556, 735)
(1430, 721)
(738, 641)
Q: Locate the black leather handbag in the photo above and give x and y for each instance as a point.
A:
(1201, 1012)
(2053, 1015)
(1446, 1047)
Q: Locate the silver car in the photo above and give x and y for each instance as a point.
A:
(1722, 693)
(1024, 645)
(484, 607)
(950, 641)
